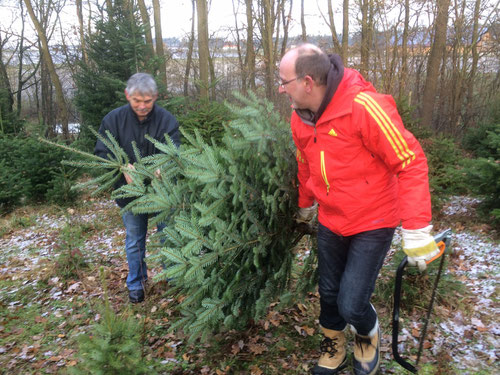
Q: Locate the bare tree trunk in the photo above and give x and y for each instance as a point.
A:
(160, 52)
(333, 29)
(404, 51)
(302, 21)
(189, 57)
(435, 58)
(366, 35)
(250, 55)
(203, 52)
(475, 57)
(286, 23)
(63, 110)
(4, 78)
(147, 25)
(241, 58)
(345, 30)
(81, 32)
(267, 19)
(109, 8)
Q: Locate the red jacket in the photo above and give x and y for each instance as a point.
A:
(360, 164)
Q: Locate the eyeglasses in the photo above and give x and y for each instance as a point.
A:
(284, 83)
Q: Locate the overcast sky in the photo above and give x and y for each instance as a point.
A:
(176, 17)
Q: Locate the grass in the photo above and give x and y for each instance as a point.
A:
(41, 317)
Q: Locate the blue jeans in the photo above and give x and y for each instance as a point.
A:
(348, 269)
(136, 227)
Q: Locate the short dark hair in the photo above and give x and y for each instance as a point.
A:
(312, 61)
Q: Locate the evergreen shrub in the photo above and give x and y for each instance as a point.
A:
(480, 140)
(483, 175)
(204, 116)
(113, 346)
(31, 171)
(11, 185)
(446, 174)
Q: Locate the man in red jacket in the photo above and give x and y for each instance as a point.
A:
(365, 174)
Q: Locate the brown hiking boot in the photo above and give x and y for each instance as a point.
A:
(333, 355)
(366, 354)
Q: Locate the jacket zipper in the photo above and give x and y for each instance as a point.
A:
(323, 171)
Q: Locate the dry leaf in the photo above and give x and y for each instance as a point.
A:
(257, 348)
(255, 370)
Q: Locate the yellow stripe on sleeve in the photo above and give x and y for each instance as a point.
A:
(391, 132)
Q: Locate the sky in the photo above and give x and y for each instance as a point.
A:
(178, 22)
(176, 17)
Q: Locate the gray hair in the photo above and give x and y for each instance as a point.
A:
(142, 83)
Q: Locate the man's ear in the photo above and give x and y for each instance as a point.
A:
(126, 94)
(309, 83)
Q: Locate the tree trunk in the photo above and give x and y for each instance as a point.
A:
(435, 58)
(286, 23)
(81, 32)
(250, 54)
(4, 79)
(241, 58)
(203, 51)
(345, 30)
(160, 52)
(147, 28)
(63, 110)
(189, 57)
(404, 51)
(302, 21)
(333, 29)
(267, 20)
(366, 35)
(475, 57)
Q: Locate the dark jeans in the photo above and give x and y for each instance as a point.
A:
(136, 227)
(348, 269)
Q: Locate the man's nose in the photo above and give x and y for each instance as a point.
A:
(281, 89)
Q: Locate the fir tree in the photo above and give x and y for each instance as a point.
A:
(229, 212)
(113, 346)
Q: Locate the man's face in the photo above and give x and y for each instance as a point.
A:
(141, 104)
(290, 84)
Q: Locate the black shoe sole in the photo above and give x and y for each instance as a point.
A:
(319, 370)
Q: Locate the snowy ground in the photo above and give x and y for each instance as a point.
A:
(471, 341)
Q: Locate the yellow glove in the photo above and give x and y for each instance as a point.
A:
(305, 215)
(419, 246)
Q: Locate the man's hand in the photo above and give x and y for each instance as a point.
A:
(127, 176)
(305, 215)
(419, 246)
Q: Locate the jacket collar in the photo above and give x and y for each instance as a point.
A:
(335, 75)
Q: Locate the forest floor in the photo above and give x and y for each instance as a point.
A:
(48, 299)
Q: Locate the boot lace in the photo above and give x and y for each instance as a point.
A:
(362, 342)
(329, 346)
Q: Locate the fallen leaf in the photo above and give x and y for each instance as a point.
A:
(255, 370)
(257, 348)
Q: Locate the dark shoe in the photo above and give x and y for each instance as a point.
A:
(333, 354)
(366, 354)
(136, 295)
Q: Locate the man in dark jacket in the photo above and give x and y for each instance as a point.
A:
(131, 123)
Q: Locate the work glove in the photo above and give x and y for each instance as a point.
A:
(419, 246)
(305, 214)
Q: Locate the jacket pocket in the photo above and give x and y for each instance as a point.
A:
(323, 172)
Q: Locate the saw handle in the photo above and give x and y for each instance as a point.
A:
(443, 241)
(441, 246)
